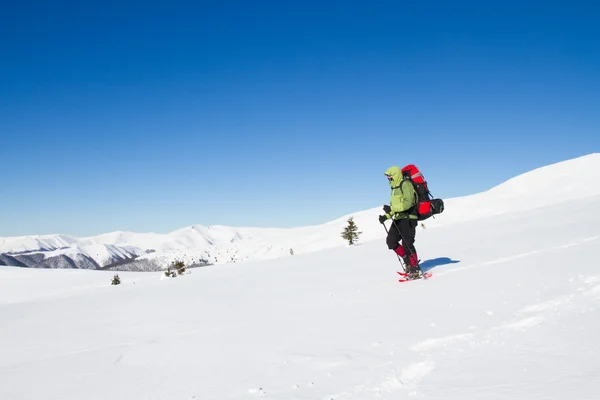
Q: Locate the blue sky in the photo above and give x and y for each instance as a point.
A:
(153, 116)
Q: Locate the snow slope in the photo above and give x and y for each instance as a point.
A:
(557, 183)
(511, 312)
(36, 243)
(102, 253)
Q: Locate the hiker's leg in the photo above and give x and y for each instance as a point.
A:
(408, 236)
(393, 237)
(414, 258)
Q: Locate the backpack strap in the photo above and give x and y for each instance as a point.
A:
(400, 185)
(401, 182)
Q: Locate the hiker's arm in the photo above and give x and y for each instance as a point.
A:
(400, 204)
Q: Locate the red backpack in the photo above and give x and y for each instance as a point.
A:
(426, 205)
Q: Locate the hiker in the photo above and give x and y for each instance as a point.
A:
(403, 213)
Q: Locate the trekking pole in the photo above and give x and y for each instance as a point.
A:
(399, 259)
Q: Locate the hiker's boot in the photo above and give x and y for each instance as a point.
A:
(414, 273)
(414, 269)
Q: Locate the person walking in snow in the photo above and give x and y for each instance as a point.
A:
(402, 211)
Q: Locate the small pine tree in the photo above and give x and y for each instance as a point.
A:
(179, 266)
(351, 232)
(116, 280)
(169, 273)
(292, 252)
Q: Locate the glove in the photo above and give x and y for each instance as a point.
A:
(387, 209)
(382, 219)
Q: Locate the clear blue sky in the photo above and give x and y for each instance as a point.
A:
(150, 117)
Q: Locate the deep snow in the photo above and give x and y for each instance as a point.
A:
(511, 312)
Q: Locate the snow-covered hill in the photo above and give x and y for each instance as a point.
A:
(512, 312)
(557, 183)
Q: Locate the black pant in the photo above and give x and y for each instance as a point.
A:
(405, 230)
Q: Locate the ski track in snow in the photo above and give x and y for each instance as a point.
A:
(517, 256)
(431, 344)
(595, 292)
(542, 311)
(523, 324)
(163, 339)
(406, 379)
(409, 378)
(412, 375)
(548, 305)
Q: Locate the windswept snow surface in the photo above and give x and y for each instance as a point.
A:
(511, 312)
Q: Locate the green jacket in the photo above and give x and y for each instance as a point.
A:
(403, 198)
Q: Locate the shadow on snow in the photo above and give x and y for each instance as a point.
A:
(436, 262)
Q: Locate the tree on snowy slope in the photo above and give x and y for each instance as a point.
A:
(179, 266)
(351, 232)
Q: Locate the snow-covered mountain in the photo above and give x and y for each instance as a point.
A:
(557, 183)
(512, 311)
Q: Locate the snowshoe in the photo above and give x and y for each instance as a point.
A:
(414, 275)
